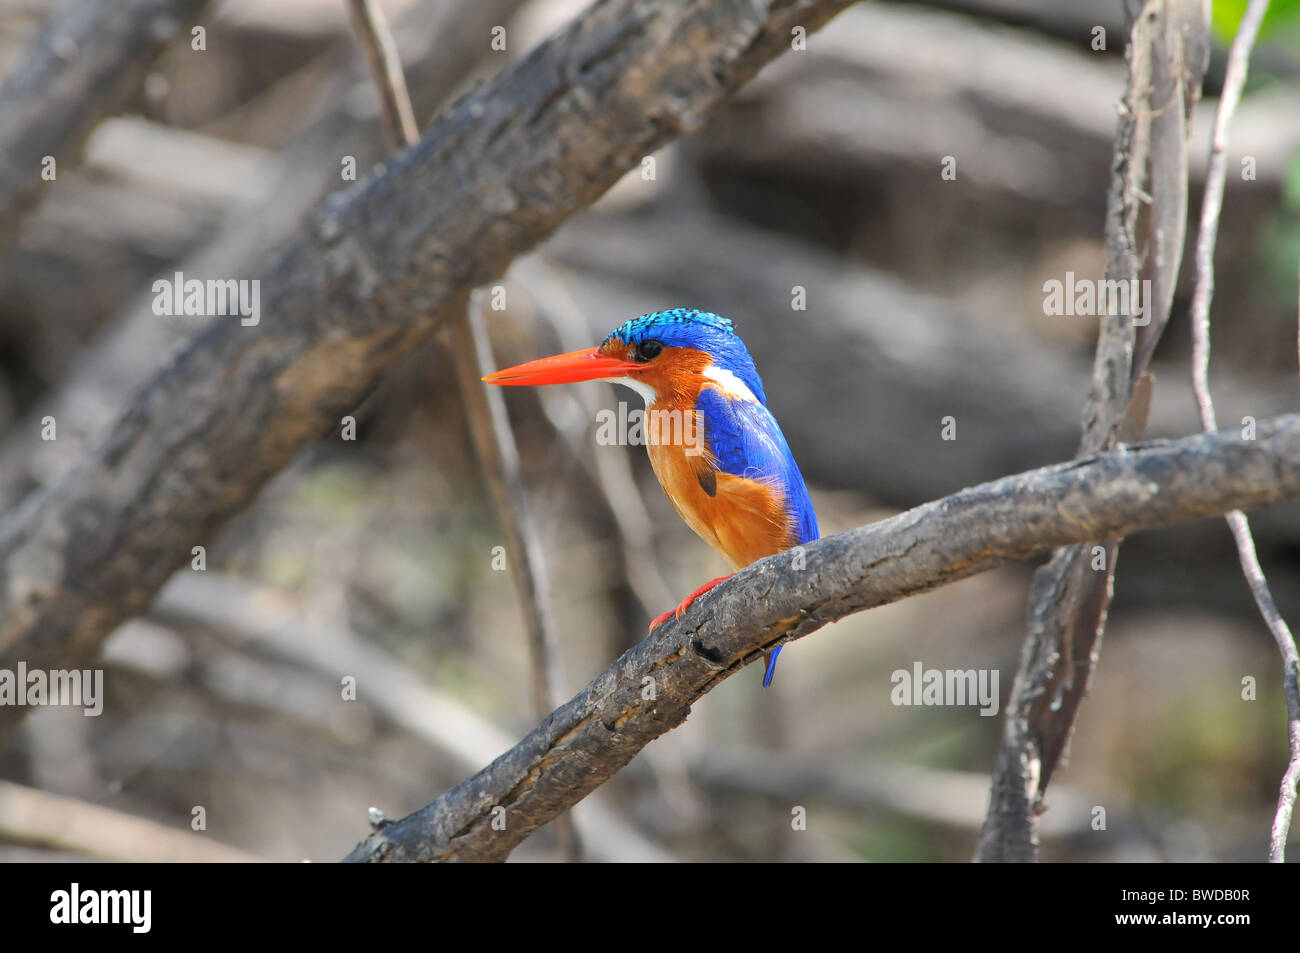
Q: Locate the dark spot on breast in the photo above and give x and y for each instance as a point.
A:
(708, 478)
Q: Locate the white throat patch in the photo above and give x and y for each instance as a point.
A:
(731, 385)
(647, 392)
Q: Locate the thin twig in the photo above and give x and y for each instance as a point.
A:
(1212, 204)
(371, 27)
(499, 456)
(1211, 207)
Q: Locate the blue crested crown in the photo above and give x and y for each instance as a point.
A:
(660, 323)
(701, 330)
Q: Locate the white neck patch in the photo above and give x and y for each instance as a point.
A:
(731, 385)
(647, 392)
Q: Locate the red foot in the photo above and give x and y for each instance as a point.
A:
(687, 601)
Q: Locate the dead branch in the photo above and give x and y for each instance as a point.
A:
(651, 688)
(499, 456)
(980, 92)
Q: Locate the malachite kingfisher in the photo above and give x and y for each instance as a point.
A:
(713, 444)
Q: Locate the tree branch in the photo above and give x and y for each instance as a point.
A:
(386, 262)
(651, 688)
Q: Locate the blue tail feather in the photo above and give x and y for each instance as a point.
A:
(771, 666)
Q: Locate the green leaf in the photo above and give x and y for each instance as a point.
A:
(1283, 16)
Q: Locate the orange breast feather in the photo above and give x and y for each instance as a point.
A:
(742, 519)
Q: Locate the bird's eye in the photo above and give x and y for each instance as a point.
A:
(647, 350)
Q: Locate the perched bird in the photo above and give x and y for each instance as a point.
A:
(715, 447)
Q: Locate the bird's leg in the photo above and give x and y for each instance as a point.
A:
(688, 600)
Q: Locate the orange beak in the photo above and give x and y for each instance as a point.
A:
(588, 365)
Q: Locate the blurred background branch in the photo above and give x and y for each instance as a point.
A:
(37, 817)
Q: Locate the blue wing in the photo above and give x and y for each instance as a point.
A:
(746, 441)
